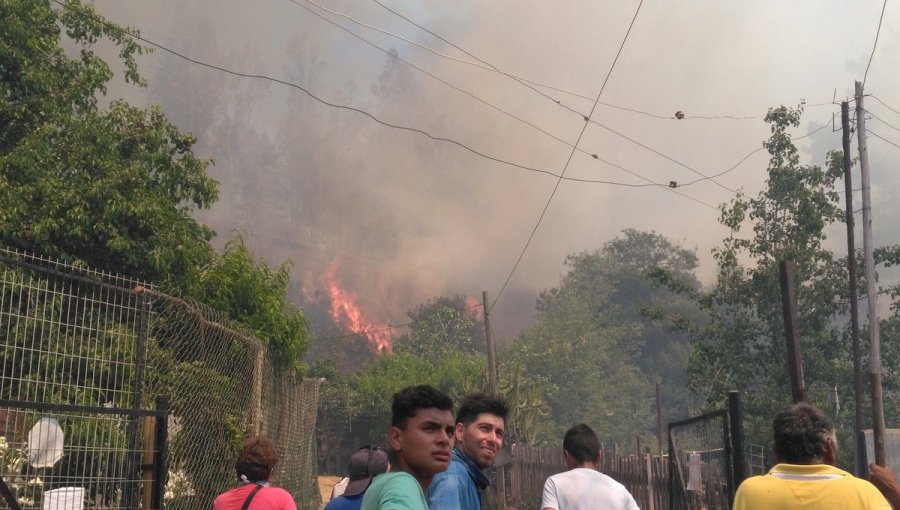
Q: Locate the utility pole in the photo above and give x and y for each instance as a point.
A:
(492, 360)
(792, 330)
(859, 440)
(871, 286)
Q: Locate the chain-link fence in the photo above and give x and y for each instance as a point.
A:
(86, 358)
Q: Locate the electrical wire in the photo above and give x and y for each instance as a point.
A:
(888, 124)
(673, 160)
(873, 96)
(875, 45)
(432, 50)
(486, 103)
(876, 135)
(524, 81)
(350, 108)
(571, 154)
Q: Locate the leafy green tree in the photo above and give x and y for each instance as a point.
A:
(580, 353)
(111, 186)
(253, 293)
(741, 343)
(597, 349)
(442, 326)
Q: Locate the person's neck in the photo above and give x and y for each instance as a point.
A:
(584, 465)
(423, 478)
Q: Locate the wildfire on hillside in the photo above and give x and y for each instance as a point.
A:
(346, 312)
(475, 306)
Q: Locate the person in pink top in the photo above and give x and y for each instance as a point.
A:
(255, 465)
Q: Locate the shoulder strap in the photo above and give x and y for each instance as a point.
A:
(250, 497)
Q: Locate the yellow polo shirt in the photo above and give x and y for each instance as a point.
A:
(817, 486)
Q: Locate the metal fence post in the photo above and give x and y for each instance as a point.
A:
(736, 420)
(132, 465)
(160, 461)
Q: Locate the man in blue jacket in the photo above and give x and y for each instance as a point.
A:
(480, 426)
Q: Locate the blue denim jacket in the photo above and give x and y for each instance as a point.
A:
(455, 488)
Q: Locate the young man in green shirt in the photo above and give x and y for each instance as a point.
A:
(420, 438)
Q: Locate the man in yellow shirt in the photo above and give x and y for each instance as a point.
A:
(805, 477)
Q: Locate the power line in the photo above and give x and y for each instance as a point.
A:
(877, 33)
(479, 99)
(658, 153)
(884, 104)
(520, 80)
(888, 124)
(571, 154)
(344, 107)
(524, 81)
(876, 135)
(593, 155)
(432, 50)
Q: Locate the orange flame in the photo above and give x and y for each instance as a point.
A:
(475, 306)
(344, 310)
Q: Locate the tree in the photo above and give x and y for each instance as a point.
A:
(442, 326)
(597, 351)
(741, 345)
(111, 187)
(253, 293)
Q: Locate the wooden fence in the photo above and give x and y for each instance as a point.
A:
(518, 483)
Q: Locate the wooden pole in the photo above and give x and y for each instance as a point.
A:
(792, 330)
(659, 422)
(871, 285)
(147, 466)
(492, 361)
(859, 443)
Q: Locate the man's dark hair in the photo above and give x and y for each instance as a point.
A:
(801, 432)
(256, 459)
(409, 400)
(582, 444)
(477, 403)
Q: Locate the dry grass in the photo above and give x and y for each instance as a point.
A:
(326, 483)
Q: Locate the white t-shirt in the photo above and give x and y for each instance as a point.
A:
(585, 489)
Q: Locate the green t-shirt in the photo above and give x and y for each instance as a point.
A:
(394, 491)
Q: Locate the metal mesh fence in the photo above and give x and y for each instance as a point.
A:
(107, 344)
(700, 462)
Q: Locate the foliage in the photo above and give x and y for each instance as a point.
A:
(597, 350)
(110, 187)
(455, 373)
(580, 356)
(26, 486)
(252, 292)
(741, 345)
(442, 326)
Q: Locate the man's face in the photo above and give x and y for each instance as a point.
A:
(423, 447)
(481, 439)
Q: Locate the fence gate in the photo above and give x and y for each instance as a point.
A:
(75, 429)
(74, 457)
(706, 459)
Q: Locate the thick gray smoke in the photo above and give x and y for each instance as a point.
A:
(408, 218)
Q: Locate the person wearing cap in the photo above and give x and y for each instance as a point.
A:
(480, 426)
(255, 464)
(364, 464)
(420, 437)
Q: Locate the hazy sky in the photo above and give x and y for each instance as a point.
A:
(410, 218)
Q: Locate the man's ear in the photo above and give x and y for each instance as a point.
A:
(599, 460)
(460, 429)
(395, 439)
(570, 461)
